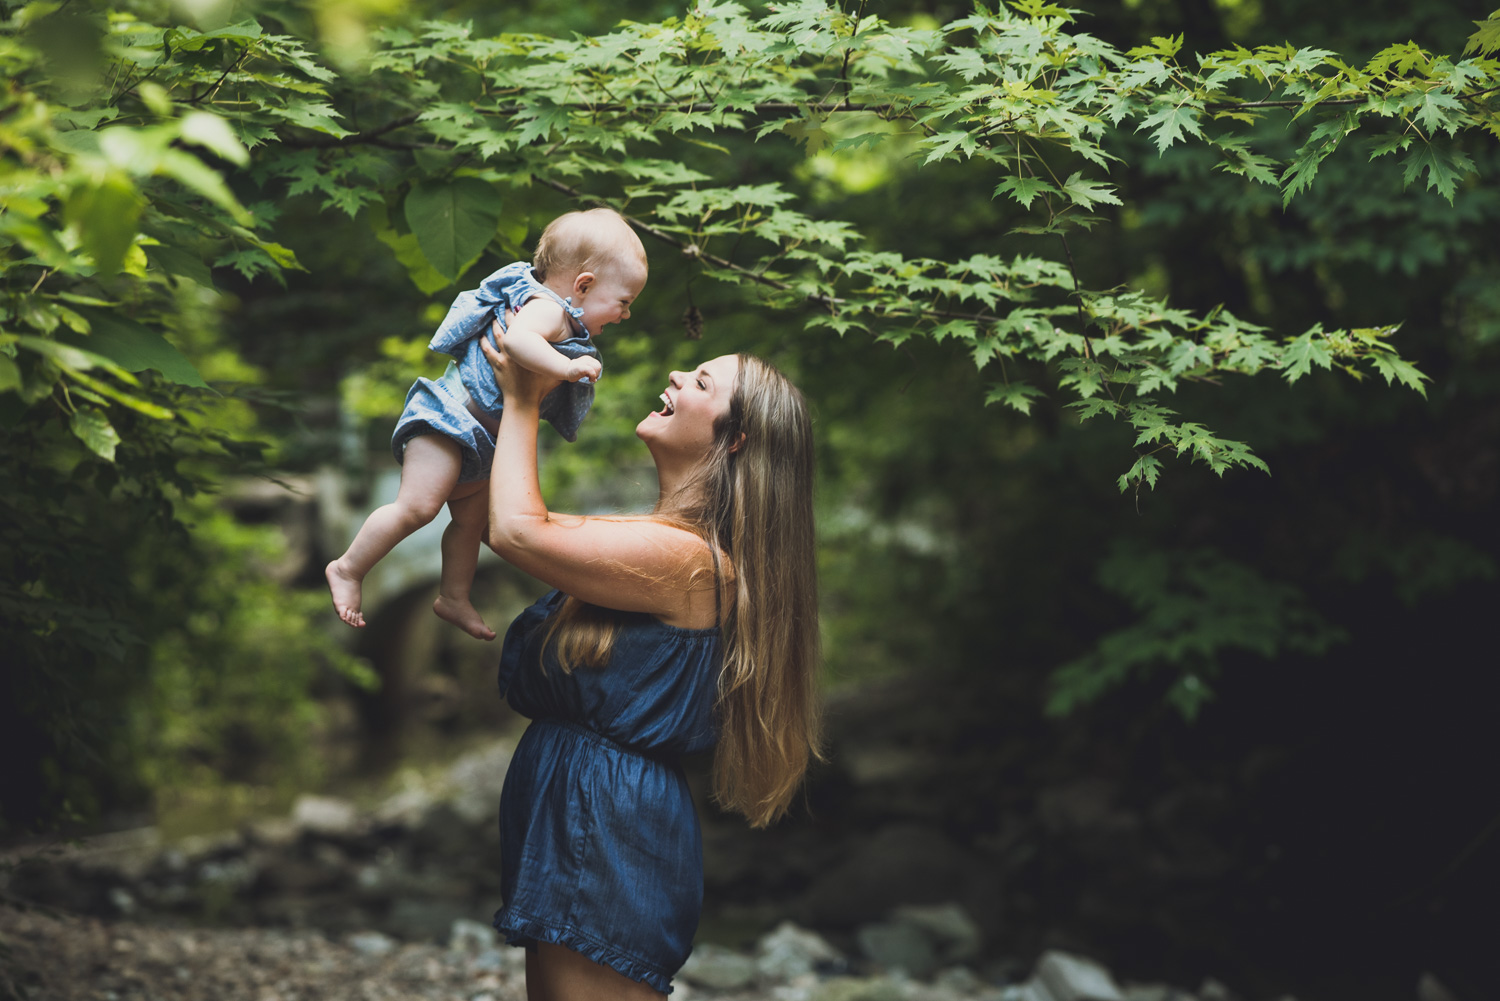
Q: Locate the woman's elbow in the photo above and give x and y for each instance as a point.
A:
(507, 536)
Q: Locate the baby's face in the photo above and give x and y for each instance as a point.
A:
(608, 296)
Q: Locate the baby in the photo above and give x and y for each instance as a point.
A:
(589, 267)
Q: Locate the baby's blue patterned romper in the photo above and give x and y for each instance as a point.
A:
(439, 406)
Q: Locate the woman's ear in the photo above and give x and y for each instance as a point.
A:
(737, 443)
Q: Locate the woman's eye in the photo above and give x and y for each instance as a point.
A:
(702, 386)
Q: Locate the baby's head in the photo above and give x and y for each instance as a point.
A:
(598, 240)
(595, 258)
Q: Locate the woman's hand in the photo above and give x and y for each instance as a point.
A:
(518, 383)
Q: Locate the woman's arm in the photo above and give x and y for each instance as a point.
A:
(634, 565)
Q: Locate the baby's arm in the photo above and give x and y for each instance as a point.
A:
(529, 338)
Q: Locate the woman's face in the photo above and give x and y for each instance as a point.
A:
(691, 404)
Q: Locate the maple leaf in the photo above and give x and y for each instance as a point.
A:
(1170, 122)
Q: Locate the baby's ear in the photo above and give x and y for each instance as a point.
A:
(583, 282)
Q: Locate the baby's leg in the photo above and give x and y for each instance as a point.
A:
(429, 472)
(460, 559)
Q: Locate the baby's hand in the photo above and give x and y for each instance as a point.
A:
(584, 368)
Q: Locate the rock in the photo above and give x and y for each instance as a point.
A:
(893, 945)
(918, 940)
(1029, 991)
(1212, 990)
(465, 935)
(272, 832)
(797, 989)
(419, 919)
(122, 901)
(788, 952)
(499, 959)
(289, 874)
(953, 935)
(1064, 977)
(406, 807)
(1430, 988)
(1077, 805)
(900, 865)
(232, 873)
(325, 815)
(859, 989)
(371, 943)
(476, 779)
(718, 968)
(958, 980)
(444, 835)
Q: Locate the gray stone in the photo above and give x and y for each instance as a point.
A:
(371, 943)
(231, 873)
(1212, 990)
(1155, 992)
(1066, 977)
(952, 933)
(1079, 804)
(893, 945)
(1430, 988)
(718, 968)
(273, 832)
(421, 920)
(499, 959)
(1029, 991)
(476, 779)
(325, 815)
(121, 900)
(788, 952)
(900, 865)
(465, 935)
(958, 980)
(405, 807)
(797, 989)
(859, 989)
(445, 836)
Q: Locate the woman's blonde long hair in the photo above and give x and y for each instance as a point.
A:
(751, 500)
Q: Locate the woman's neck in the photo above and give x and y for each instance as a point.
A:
(675, 490)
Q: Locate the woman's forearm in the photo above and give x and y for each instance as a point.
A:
(515, 493)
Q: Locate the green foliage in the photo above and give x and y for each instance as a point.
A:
(230, 679)
(1193, 607)
(153, 167)
(116, 203)
(1016, 92)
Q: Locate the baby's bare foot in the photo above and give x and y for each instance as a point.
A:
(346, 594)
(463, 615)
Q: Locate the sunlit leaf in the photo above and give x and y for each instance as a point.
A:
(453, 221)
(95, 431)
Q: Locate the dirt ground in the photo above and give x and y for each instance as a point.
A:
(61, 957)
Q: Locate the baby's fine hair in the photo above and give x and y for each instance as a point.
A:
(586, 241)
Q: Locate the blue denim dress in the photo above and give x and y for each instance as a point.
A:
(440, 406)
(600, 847)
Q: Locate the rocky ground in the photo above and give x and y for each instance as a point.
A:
(53, 955)
(945, 850)
(334, 902)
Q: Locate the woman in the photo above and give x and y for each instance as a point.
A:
(691, 628)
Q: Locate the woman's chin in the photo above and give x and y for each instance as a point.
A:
(649, 424)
